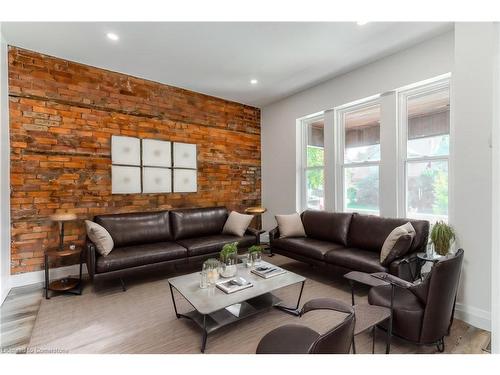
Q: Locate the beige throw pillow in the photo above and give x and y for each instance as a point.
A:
(100, 237)
(290, 225)
(393, 237)
(237, 224)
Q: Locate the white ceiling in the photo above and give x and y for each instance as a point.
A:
(219, 59)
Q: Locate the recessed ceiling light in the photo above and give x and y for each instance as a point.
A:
(112, 36)
(254, 81)
(361, 23)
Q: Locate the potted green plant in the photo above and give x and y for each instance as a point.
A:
(229, 259)
(255, 253)
(442, 236)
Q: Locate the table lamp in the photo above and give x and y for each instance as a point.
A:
(61, 218)
(257, 211)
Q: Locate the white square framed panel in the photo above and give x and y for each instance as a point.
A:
(125, 150)
(156, 153)
(125, 180)
(184, 155)
(156, 180)
(185, 181)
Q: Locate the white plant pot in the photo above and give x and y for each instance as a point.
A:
(228, 270)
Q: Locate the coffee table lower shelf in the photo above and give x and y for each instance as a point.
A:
(209, 323)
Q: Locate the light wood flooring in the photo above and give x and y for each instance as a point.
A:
(19, 312)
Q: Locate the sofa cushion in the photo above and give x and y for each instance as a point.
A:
(290, 225)
(355, 259)
(327, 226)
(214, 243)
(198, 222)
(100, 237)
(136, 228)
(138, 255)
(237, 223)
(369, 232)
(308, 247)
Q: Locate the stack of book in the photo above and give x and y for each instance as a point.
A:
(233, 285)
(267, 270)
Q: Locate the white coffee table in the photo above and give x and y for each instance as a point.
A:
(211, 304)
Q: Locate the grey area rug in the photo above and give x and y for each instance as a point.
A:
(142, 319)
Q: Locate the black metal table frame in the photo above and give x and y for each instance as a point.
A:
(290, 310)
(47, 278)
(389, 329)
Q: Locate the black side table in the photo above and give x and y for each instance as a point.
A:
(424, 258)
(69, 285)
(369, 316)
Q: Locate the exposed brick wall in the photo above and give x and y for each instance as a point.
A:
(62, 116)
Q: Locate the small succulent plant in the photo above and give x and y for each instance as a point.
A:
(254, 249)
(228, 250)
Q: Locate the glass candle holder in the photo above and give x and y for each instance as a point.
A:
(211, 267)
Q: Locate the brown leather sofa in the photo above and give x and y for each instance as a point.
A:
(148, 241)
(346, 242)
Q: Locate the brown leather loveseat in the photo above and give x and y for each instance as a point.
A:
(347, 242)
(155, 240)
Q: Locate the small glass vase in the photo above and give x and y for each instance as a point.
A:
(430, 251)
(256, 257)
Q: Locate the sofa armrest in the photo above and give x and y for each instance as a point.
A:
(256, 233)
(274, 234)
(91, 258)
(405, 268)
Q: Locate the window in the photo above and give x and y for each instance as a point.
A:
(359, 126)
(425, 120)
(415, 143)
(313, 164)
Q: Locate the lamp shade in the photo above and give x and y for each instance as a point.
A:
(62, 217)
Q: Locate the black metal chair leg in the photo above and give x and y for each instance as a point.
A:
(205, 334)
(123, 285)
(389, 329)
(353, 346)
(374, 330)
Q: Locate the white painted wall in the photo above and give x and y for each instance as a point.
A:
(472, 118)
(4, 174)
(279, 136)
(495, 255)
(468, 53)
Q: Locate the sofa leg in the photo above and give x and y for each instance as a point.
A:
(123, 285)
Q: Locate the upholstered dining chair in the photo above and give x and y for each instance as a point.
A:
(299, 339)
(423, 313)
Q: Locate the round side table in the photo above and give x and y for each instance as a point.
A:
(257, 212)
(70, 285)
(424, 258)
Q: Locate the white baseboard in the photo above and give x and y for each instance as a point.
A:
(475, 317)
(29, 278)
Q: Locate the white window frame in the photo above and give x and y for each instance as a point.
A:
(425, 87)
(304, 168)
(341, 165)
